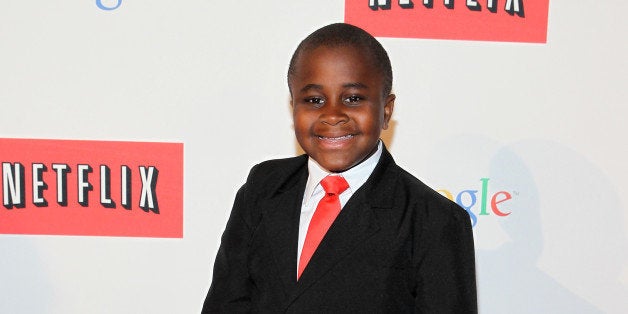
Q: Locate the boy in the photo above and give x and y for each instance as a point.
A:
(343, 228)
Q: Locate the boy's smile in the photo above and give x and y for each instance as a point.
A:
(339, 108)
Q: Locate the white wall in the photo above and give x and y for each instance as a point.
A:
(545, 122)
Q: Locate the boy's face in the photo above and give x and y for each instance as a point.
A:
(339, 108)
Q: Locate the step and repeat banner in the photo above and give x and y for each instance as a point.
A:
(128, 126)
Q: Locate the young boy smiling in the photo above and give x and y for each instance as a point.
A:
(342, 228)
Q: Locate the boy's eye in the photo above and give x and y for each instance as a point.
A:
(318, 101)
(353, 99)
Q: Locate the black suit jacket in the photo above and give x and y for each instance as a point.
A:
(397, 246)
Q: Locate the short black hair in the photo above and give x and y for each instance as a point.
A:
(342, 35)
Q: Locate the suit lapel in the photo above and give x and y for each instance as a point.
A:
(355, 223)
(282, 219)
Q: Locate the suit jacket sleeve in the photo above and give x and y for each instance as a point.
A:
(446, 271)
(230, 291)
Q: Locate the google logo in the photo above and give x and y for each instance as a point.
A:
(467, 199)
(101, 6)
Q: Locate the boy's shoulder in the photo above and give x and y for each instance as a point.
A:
(276, 168)
(418, 188)
(272, 175)
(407, 191)
(389, 176)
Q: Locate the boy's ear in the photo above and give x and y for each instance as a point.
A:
(389, 105)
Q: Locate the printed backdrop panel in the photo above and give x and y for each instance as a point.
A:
(529, 138)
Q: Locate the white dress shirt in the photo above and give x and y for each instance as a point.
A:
(314, 192)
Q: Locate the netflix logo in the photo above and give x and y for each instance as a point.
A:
(14, 191)
(485, 20)
(512, 7)
(101, 188)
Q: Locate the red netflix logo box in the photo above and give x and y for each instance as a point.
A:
(485, 20)
(93, 188)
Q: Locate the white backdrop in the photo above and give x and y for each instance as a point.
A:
(544, 122)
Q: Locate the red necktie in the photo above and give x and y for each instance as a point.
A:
(326, 211)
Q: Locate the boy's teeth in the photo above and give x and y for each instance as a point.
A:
(336, 138)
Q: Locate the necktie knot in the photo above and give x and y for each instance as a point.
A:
(334, 185)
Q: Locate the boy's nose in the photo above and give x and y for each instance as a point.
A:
(334, 114)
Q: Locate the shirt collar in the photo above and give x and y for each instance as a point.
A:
(355, 176)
